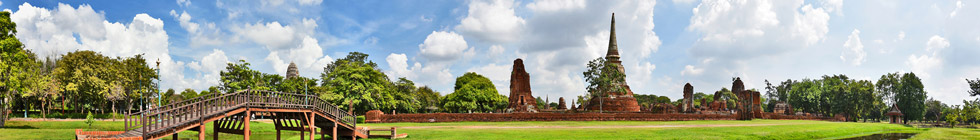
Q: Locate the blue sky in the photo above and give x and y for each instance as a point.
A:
(664, 43)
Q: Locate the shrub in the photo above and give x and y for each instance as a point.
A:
(360, 119)
(89, 119)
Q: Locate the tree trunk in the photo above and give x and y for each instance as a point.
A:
(113, 110)
(44, 105)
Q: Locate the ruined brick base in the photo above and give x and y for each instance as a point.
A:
(619, 104)
(499, 117)
(101, 135)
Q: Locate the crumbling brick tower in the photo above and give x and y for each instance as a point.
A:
(688, 103)
(520, 99)
(744, 106)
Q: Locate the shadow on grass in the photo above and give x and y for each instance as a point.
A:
(19, 127)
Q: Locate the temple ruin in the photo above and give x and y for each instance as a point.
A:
(687, 105)
(561, 103)
(615, 101)
(520, 98)
(292, 71)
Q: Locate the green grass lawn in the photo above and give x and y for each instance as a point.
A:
(756, 129)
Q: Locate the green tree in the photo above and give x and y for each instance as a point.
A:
(89, 119)
(171, 96)
(602, 77)
(301, 85)
(428, 98)
(934, 110)
(354, 81)
(473, 92)
(189, 93)
(952, 115)
(13, 63)
(970, 111)
(405, 96)
(911, 97)
(974, 86)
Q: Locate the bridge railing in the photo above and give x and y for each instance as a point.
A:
(179, 113)
(191, 110)
(273, 99)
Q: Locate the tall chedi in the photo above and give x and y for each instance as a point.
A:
(615, 101)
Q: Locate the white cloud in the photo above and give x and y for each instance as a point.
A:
(811, 25)
(498, 74)
(273, 35)
(310, 2)
(443, 46)
(853, 49)
(185, 21)
(496, 50)
(398, 63)
(835, 6)
(753, 27)
(901, 35)
(936, 43)
(959, 4)
(309, 58)
(690, 70)
(184, 3)
(492, 21)
(924, 65)
(556, 5)
(430, 75)
(52, 33)
(210, 67)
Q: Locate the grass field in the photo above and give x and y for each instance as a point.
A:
(756, 129)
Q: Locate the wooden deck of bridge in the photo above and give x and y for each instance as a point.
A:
(231, 113)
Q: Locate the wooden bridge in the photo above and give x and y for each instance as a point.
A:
(232, 112)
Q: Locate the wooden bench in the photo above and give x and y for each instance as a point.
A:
(393, 133)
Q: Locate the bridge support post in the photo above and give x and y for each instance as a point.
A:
(310, 123)
(334, 136)
(215, 129)
(200, 134)
(248, 116)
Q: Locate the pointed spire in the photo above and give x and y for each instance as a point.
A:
(613, 53)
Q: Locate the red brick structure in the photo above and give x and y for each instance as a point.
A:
(895, 115)
(497, 117)
(561, 103)
(615, 101)
(687, 105)
(520, 98)
(373, 114)
(756, 105)
(783, 108)
(664, 108)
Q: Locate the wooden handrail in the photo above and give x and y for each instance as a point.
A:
(188, 111)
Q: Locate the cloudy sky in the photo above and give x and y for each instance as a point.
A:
(663, 44)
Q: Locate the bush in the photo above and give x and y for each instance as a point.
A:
(89, 119)
(360, 119)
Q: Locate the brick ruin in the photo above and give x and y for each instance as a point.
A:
(783, 108)
(561, 103)
(749, 103)
(520, 99)
(615, 101)
(687, 105)
(616, 105)
(718, 104)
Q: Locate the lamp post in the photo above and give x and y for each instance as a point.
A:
(159, 95)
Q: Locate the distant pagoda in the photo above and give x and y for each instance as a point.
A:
(292, 71)
(615, 101)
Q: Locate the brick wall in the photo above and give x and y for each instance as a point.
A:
(496, 117)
